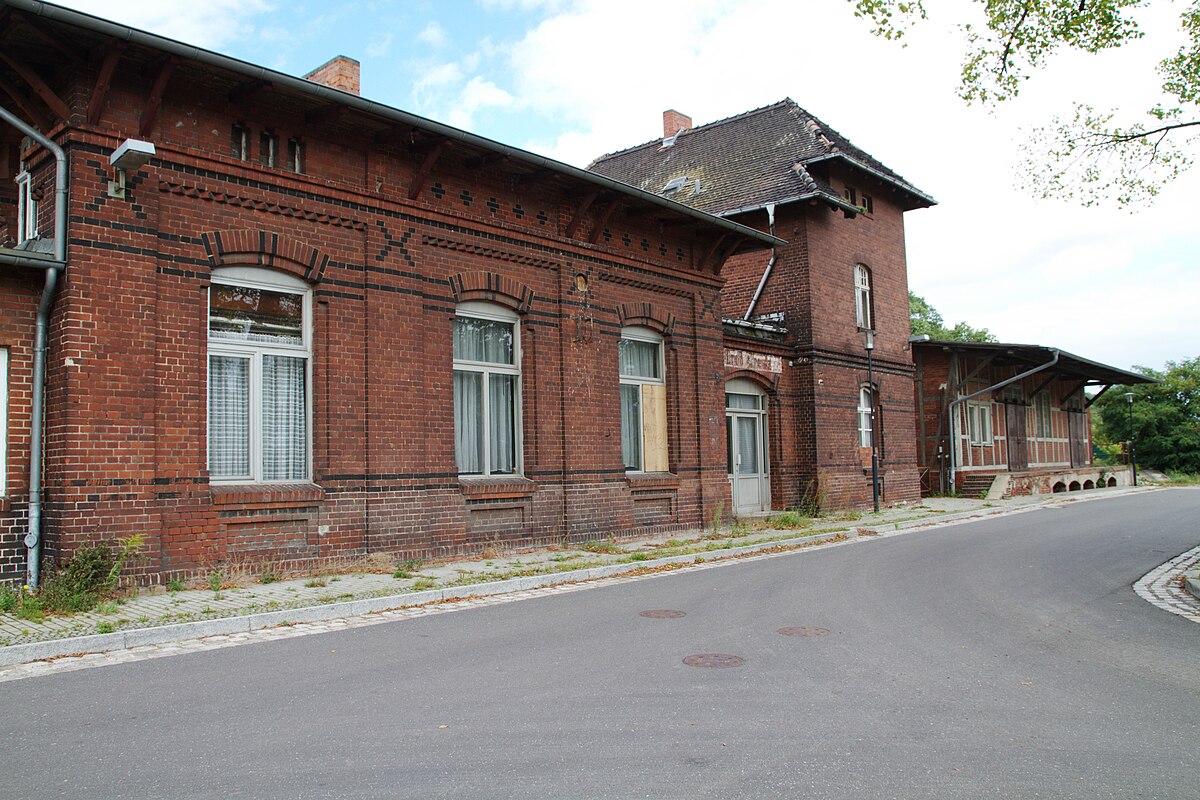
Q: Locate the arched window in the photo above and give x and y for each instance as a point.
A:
(866, 416)
(259, 349)
(487, 389)
(643, 400)
(862, 297)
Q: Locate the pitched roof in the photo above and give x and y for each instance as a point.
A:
(746, 161)
(1068, 365)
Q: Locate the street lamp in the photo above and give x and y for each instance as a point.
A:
(1132, 448)
(869, 345)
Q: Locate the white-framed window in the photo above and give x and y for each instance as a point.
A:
(866, 416)
(26, 208)
(295, 156)
(3, 421)
(979, 423)
(643, 401)
(268, 149)
(862, 297)
(259, 381)
(240, 142)
(1041, 406)
(487, 389)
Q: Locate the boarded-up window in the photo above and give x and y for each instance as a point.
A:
(644, 444)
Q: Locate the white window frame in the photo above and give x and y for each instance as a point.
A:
(270, 280)
(475, 309)
(26, 208)
(637, 333)
(3, 421)
(862, 297)
(979, 424)
(1043, 412)
(866, 416)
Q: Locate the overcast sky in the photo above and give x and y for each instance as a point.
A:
(573, 79)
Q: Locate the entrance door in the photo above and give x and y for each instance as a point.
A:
(1017, 438)
(746, 434)
(1077, 428)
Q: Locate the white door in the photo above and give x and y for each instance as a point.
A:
(746, 435)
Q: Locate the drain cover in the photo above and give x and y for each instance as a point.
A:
(663, 613)
(714, 660)
(803, 631)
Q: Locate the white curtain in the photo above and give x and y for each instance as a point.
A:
(638, 359)
(501, 422)
(284, 418)
(747, 431)
(228, 417)
(468, 421)
(631, 425)
(483, 340)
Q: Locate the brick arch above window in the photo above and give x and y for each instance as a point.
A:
(769, 384)
(646, 315)
(258, 248)
(491, 287)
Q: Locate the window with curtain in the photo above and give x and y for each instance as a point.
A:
(259, 350)
(866, 422)
(862, 297)
(979, 423)
(643, 401)
(487, 390)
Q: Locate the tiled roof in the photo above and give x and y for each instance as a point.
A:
(747, 161)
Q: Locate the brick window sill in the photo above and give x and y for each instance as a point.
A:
(502, 487)
(648, 481)
(267, 494)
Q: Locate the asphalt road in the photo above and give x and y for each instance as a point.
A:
(1008, 658)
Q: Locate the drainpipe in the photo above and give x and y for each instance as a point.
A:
(767, 272)
(954, 405)
(33, 536)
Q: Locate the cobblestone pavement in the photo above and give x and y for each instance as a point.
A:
(1163, 586)
(330, 602)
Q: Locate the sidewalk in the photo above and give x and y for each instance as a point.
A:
(158, 616)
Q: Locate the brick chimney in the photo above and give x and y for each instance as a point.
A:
(338, 72)
(674, 122)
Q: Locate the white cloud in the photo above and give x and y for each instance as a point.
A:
(478, 94)
(379, 44)
(205, 23)
(433, 35)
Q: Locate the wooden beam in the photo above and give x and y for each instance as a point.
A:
(712, 251)
(978, 369)
(1096, 396)
(249, 89)
(1042, 386)
(39, 86)
(602, 220)
(154, 101)
(487, 160)
(583, 209)
(112, 55)
(1074, 389)
(23, 103)
(725, 253)
(422, 175)
(325, 113)
(419, 146)
(54, 40)
(393, 134)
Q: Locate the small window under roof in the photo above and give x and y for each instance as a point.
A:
(675, 184)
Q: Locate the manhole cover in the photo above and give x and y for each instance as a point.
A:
(714, 660)
(803, 631)
(663, 613)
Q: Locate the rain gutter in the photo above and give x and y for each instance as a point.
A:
(33, 535)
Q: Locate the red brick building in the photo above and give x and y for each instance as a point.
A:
(802, 414)
(312, 326)
(1010, 416)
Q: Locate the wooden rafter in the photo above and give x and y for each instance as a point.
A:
(249, 89)
(725, 253)
(1042, 386)
(23, 103)
(478, 162)
(534, 177)
(1073, 390)
(427, 165)
(579, 215)
(112, 55)
(419, 146)
(325, 113)
(55, 41)
(154, 101)
(393, 134)
(52, 100)
(712, 251)
(980, 367)
(1096, 396)
(602, 220)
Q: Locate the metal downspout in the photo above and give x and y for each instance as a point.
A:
(954, 404)
(33, 535)
(767, 272)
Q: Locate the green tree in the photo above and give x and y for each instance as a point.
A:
(925, 319)
(1166, 417)
(1089, 154)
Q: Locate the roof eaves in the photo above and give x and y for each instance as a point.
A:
(254, 71)
(832, 199)
(1044, 350)
(883, 176)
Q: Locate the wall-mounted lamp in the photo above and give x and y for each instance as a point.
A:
(132, 154)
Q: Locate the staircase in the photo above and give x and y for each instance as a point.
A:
(975, 486)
